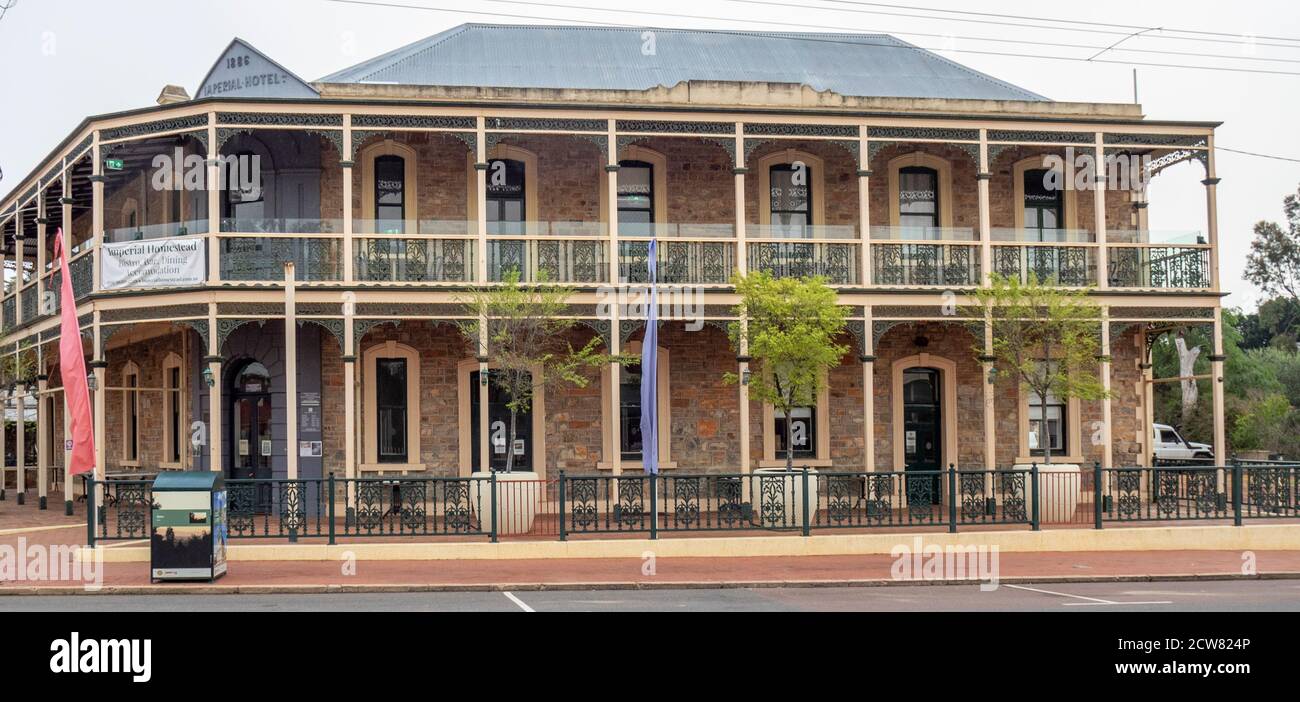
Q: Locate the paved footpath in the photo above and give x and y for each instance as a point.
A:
(299, 576)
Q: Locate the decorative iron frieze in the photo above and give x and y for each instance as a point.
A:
(671, 127)
(1022, 135)
(515, 124)
(250, 309)
(411, 309)
(1153, 139)
(412, 122)
(198, 325)
(279, 119)
(227, 326)
(923, 133)
(333, 326)
(175, 124)
(800, 130)
(162, 313)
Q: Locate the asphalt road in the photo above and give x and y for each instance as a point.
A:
(1230, 595)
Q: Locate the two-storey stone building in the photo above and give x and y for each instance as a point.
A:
(397, 184)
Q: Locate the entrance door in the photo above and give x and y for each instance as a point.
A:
(922, 433)
(499, 429)
(250, 423)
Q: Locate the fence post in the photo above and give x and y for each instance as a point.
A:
(1096, 494)
(654, 506)
(952, 499)
(563, 534)
(1236, 492)
(90, 511)
(807, 514)
(493, 498)
(331, 507)
(1033, 476)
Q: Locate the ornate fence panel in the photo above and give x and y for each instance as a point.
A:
(679, 262)
(124, 509)
(559, 260)
(925, 264)
(1072, 266)
(1270, 491)
(1159, 267)
(1165, 493)
(414, 260)
(263, 258)
(838, 263)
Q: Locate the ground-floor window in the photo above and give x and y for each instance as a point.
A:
(800, 430)
(391, 392)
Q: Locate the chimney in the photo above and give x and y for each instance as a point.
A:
(172, 94)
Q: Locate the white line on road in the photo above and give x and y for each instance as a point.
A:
(1093, 600)
(521, 603)
(1104, 604)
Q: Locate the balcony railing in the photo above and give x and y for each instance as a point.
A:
(836, 262)
(678, 262)
(156, 231)
(556, 260)
(1069, 266)
(1164, 267)
(262, 259)
(925, 264)
(397, 259)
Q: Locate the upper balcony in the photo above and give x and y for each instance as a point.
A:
(454, 202)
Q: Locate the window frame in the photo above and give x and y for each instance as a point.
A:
(371, 460)
(173, 411)
(130, 414)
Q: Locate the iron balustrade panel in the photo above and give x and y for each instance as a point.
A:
(885, 499)
(993, 497)
(1165, 493)
(9, 311)
(838, 263)
(560, 260)
(679, 262)
(124, 509)
(415, 506)
(1164, 267)
(925, 264)
(414, 260)
(1270, 491)
(27, 301)
(82, 272)
(277, 508)
(1069, 266)
(605, 504)
(263, 258)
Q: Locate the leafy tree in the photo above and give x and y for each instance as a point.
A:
(1045, 335)
(1270, 424)
(790, 326)
(521, 330)
(1273, 263)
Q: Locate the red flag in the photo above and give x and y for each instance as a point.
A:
(72, 366)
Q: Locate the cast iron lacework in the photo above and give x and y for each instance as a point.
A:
(1011, 487)
(333, 326)
(925, 264)
(163, 125)
(686, 502)
(842, 492)
(457, 514)
(921, 498)
(650, 125)
(836, 262)
(631, 510)
(1269, 489)
(582, 497)
(820, 130)
(414, 260)
(262, 258)
(683, 262)
(545, 124)
(412, 122)
(879, 498)
(771, 491)
(1154, 139)
(1161, 267)
(130, 501)
(1029, 136)
(278, 119)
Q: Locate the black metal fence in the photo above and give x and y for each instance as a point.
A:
(802, 501)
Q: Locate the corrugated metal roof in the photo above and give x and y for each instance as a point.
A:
(614, 58)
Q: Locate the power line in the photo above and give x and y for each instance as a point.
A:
(1259, 155)
(510, 15)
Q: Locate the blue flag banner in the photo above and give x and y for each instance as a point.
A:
(649, 374)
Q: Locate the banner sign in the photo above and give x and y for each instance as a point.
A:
(154, 263)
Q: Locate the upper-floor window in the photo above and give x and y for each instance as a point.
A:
(791, 198)
(918, 197)
(636, 201)
(1043, 206)
(390, 194)
(247, 202)
(505, 196)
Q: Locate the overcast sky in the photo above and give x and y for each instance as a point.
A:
(61, 60)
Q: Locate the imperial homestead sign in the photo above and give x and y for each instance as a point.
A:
(157, 263)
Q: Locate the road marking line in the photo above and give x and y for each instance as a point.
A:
(1094, 600)
(1104, 604)
(519, 602)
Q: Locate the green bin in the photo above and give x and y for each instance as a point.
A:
(187, 540)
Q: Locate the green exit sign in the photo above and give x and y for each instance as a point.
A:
(113, 164)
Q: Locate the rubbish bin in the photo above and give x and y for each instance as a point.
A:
(188, 538)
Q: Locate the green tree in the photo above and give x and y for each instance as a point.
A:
(790, 327)
(1273, 263)
(521, 330)
(1269, 424)
(1045, 335)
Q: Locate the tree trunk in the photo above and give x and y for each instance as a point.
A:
(1186, 368)
(1044, 436)
(789, 440)
(510, 442)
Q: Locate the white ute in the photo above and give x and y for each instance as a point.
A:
(1168, 445)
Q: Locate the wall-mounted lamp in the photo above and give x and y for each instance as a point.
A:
(482, 379)
(92, 382)
(744, 378)
(207, 377)
(993, 375)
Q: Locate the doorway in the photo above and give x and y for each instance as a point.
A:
(250, 423)
(923, 433)
(499, 428)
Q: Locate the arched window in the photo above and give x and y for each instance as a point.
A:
(1044, 207)
(390, 194)
(391, 395)
(636, 198)
(918, 199)
(790, 198)
(506, 196)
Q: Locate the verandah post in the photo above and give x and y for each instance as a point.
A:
(90, 510)
(563, 535)
(331, 507)
(1096, 494)
(1033, 477)
(1236, 492)
(654, 506)
(807, 513)
(952, 499)
(493, 498)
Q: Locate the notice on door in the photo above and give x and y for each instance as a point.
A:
(157, 263)
(911, 441)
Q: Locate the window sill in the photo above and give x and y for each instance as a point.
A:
(634, 465)
(171, 466)
(402, 468)
(798, 463)
(129, 464)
